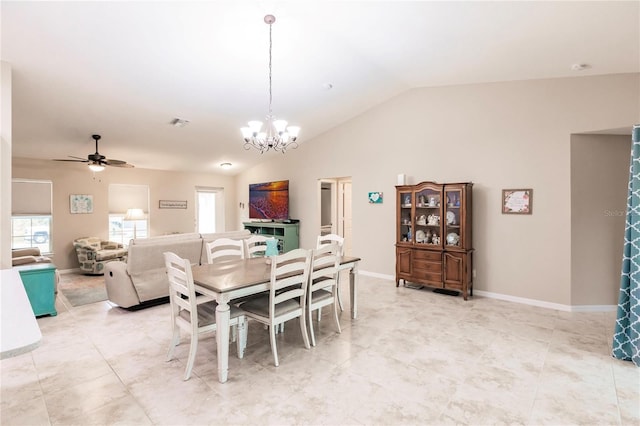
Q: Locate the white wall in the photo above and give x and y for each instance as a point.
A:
(501, 135)
(5, 164)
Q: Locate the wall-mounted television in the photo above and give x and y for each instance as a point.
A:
(269, 200)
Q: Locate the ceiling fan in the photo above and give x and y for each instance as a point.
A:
(97, 161)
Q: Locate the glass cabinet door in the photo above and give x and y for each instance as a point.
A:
(405, 227)
(453, 217)
(427, 215)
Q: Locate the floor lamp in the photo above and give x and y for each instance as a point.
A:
(135, 215)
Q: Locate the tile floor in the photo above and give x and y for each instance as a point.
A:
(411, 357)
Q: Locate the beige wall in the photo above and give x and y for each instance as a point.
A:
(502, 135)
(599, 182)
(69, 178)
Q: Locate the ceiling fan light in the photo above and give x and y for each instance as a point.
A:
(95, 167)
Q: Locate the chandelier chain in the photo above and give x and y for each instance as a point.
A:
(270, 91)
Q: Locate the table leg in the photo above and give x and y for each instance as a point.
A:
(353, 284)
(222, 339)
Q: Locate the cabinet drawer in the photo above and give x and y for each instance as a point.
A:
(434, 256)
(425, 266)
(431, 278)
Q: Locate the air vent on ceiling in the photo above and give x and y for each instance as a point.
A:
(179, 122)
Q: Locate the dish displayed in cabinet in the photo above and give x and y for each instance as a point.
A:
(451, 218)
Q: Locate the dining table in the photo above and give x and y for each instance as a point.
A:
(231, 280)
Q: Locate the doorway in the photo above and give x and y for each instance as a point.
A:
(334, 196)
(209, 210)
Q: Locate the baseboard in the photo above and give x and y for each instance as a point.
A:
(377, 275)
(543, 304)
(594, 308)
(515, 299)
(70, 271)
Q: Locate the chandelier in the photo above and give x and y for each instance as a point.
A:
(276, 134)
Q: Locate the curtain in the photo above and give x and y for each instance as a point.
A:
(626, 338)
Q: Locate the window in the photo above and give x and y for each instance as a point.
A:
(31, 214)
(122, 231)
(210, 210)
(122, 198)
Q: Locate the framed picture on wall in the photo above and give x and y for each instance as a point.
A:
(517, 201)
(172, 204)
(80, 203)
(375, 197)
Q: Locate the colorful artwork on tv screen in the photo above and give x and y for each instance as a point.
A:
(269, 200)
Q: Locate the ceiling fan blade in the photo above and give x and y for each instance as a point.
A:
(79, 158)
(73, 161)
(117, 163)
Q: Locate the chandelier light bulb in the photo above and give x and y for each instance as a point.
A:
(280, 125)
(275, 134)
(246, 133)
(255, 126)
(293, 132)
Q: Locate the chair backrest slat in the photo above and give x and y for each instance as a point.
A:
(324, 240)
(224, 249)
(255, 246)
(182, 293)
(289, 277)
(324, 267)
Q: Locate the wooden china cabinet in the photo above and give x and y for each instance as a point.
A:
(434, 246)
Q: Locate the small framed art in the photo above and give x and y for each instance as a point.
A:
(172, 204)
(80, 203)
(517, 201)
(375, 197)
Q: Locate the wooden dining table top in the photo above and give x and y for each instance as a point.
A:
(222, 277)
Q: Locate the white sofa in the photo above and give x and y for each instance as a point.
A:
(142, 279)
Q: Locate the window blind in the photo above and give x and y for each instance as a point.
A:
(124, 197)
(31, 197)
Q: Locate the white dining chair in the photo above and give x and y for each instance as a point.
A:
(323, 284)
(255, 246)
(193, 317)
(286, 298)
(224, 249)
(323, 240)
(330, 239)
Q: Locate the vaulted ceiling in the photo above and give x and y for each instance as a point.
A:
(126, 69)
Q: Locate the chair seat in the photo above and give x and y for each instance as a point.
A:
(260, 306)
(207, 314)
(320, 295)
(110, 254)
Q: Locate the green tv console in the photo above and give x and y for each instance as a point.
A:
(288, 234)
(40, 284)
